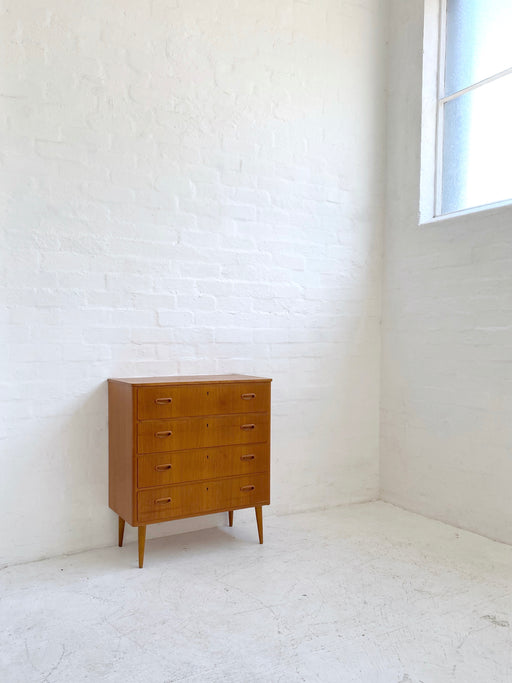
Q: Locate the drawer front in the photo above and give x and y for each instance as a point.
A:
(185, 500)
(160, 469)
(154, 403)
(201, 432)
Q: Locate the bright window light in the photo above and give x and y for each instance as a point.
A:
(474, 111)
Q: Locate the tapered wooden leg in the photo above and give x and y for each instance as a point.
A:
(121, 531)
(142, 543)
(259, 521)
(230, 513)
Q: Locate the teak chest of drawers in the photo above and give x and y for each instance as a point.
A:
(187, 446)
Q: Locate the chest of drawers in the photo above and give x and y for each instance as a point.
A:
(187, 446)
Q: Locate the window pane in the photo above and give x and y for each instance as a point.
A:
(477, 147)
(478, 41)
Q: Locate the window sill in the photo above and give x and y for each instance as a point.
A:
(487, 210)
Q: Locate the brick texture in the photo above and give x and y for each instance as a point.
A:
(187, 187)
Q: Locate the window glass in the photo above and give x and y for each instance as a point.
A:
(477, 147)
(478, 41)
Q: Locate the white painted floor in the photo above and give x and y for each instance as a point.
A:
(366, 593)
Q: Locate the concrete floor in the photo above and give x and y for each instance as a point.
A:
(366, 593)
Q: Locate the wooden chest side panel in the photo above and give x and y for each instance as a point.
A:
(121, 452)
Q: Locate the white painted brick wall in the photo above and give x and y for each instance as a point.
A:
(447, 333)
(187, 187)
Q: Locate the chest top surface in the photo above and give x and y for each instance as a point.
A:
(188, 379)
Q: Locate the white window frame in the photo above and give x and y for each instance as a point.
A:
(434, 99)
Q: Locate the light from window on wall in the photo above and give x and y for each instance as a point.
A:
(475, 105)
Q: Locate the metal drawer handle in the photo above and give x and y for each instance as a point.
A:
(160, 401)
(247, 397)
(247, 427)
(162, 435)
(248, 488)
(163, 501)
(162, 468)
(247, 457)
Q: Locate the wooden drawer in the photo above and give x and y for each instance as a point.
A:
(204, 399)
(160, 469)
(201, 432)
(187, 500)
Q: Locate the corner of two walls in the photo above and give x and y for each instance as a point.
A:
(189, 188)
(446, 432)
